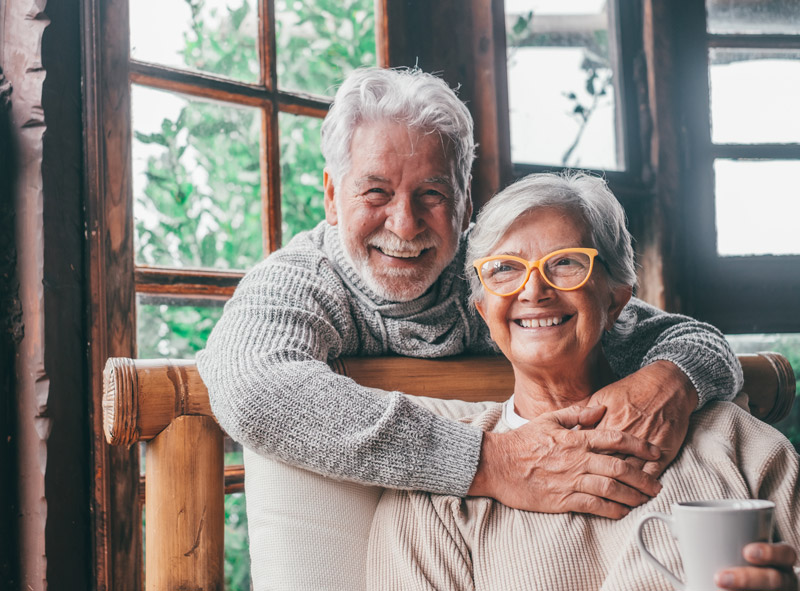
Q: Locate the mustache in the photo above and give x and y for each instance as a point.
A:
(386, 240)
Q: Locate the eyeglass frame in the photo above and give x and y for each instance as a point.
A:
(531, 265)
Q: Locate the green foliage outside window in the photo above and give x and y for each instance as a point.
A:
(787, 345)
(199, 203)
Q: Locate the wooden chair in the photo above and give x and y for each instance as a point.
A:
(165, 403)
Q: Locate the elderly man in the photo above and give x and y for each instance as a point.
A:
(383, 275)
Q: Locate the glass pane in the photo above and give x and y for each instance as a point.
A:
(213, 36)
(301, 173)
(759, 17)
(171, 327)
(237, 544)
(196, 182)
(319, 42)
(787, 345)
(758, 205)
(561, 84)
(754, 96)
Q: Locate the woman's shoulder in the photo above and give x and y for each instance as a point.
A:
(728, 426)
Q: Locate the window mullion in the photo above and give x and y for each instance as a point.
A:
(271, 185)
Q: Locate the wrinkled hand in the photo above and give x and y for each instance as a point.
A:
(654, 404)
(545, 466)
(772, 569)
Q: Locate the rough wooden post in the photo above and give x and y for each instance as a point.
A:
(184, 520)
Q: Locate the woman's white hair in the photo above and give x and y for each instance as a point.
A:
(407, 96)
(584, 195)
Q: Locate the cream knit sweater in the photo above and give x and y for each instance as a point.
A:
(421, 541)
(271, 389)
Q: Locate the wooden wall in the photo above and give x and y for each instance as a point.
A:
(41, 58)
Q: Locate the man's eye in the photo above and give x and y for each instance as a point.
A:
(432, 197)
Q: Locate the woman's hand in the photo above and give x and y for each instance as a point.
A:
(548, 467)
(772, 570)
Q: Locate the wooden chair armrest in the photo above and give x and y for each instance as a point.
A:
(142, 396)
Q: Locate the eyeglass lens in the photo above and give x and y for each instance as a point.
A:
(564, 270)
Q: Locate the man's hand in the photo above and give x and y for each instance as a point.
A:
(545, 466)
(655, 404)
(772, 569)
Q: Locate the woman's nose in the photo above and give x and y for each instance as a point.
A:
(402, 219)
(535, 288)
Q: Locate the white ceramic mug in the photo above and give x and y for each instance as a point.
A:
(710, 536)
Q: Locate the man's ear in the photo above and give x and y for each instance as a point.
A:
(620, 296)
(467, 206)
(329, 202)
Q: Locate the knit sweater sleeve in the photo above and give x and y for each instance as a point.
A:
(270, 387)
(645, 334)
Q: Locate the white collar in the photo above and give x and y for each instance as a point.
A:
(510, 415)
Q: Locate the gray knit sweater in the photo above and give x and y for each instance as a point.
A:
(271, 389)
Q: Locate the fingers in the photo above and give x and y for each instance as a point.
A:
(774, 570)
(641, 465)
(754, 577)
(654, 469)
(604, 441)
(622, 473)
(578, 416)
(776, 555)
(611, 490)
(585, 503)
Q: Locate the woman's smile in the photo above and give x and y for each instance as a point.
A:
(542, 321)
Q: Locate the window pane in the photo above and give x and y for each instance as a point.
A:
(787, 345)
(171, 327)
(758, 205)
(213, 36)
(319, 42)
(754, 96)
(301, 173)
(196, 182)
(561, 84)
(746, 16)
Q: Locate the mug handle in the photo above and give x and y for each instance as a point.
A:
(676, 582)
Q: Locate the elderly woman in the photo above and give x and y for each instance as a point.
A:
(555, 269)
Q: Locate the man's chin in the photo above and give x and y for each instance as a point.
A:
(398, 289)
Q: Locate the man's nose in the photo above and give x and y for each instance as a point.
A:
(536, 288)
(402, 219)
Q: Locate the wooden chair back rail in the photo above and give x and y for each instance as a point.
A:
(165, 402)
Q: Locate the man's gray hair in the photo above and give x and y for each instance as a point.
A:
(584, 195)
(406, 96)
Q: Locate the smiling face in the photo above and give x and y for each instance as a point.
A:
(541, 328)
(398, 208)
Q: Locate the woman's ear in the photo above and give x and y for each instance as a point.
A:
(481, 311)
(620, 296)
(329, 201)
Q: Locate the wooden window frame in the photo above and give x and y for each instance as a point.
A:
(114, 278)
(625, 32)
(738, 294)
